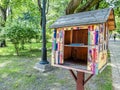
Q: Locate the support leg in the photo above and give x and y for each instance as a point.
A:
(73, 74)
(80, 81)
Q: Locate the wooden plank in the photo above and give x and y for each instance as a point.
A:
(67, 37)
(67, 52)
(82, 54)
(66, 67)
(73, 74)
(111, 27)
(71, 36)
(85, 36)
(80, 81)
(88, 79)
(80, 36)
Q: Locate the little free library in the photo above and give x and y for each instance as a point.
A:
(80, 41)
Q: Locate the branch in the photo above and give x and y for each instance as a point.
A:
(7, 4)
(72, 6)
(39, 5)
(47, 6)
(3, 11)
(1, 8)
(88, 5)
(97, 5)
(40, 10)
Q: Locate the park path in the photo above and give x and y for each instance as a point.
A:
(114, 47)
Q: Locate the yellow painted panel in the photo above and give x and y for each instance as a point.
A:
(53, 58)
(102, 59)
(83, 27)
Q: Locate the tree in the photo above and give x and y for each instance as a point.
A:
(4, 8)
(20, 33)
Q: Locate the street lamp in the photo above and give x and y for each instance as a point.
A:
(44, 49)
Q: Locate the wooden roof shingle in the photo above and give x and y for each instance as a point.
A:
(86, 18)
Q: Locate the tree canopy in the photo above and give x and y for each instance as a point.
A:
(28, 12)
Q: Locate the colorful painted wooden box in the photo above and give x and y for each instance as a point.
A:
(80, 41)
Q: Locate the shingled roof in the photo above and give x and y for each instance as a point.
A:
(86, 18)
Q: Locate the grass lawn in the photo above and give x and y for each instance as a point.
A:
(17, 72)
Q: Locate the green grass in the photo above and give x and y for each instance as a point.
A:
(35, 49)
(17, 72)
(104, 80)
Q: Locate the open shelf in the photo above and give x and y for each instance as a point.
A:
(75, 57)
(76, 45)
(78, 65)
(76, 37)
(72, 66)
(76, 49)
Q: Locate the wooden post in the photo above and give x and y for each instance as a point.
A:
(80, 81)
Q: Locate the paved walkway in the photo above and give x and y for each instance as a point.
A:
(115, 62)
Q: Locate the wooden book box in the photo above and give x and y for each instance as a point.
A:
(80, 41)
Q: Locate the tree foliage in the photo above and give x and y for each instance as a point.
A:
(20, 33)
(76, 6)
(24, 16)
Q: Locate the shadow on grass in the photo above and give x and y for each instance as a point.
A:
(26, 53)
(33, 50)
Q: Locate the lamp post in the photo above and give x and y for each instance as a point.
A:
(44, 49)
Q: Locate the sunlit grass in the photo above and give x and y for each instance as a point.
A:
(33, 49)
(17, 72)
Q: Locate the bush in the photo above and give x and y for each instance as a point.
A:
(20, 34)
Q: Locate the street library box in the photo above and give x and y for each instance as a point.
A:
(80, 41)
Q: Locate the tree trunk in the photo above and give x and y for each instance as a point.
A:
(72, 6)
(22, 45)
(75, 7)
(3, 10)
(89, 4)
(16, 49)
(4, 15)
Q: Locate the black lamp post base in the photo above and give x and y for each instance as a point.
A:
(44, 62)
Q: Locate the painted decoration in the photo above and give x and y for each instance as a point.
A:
(53, 58)
(93, 58)
(57, 47)
(102, 59)
(97, 46)
(53, 48)
(100, 47)
(101, 34)
(93, 35)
